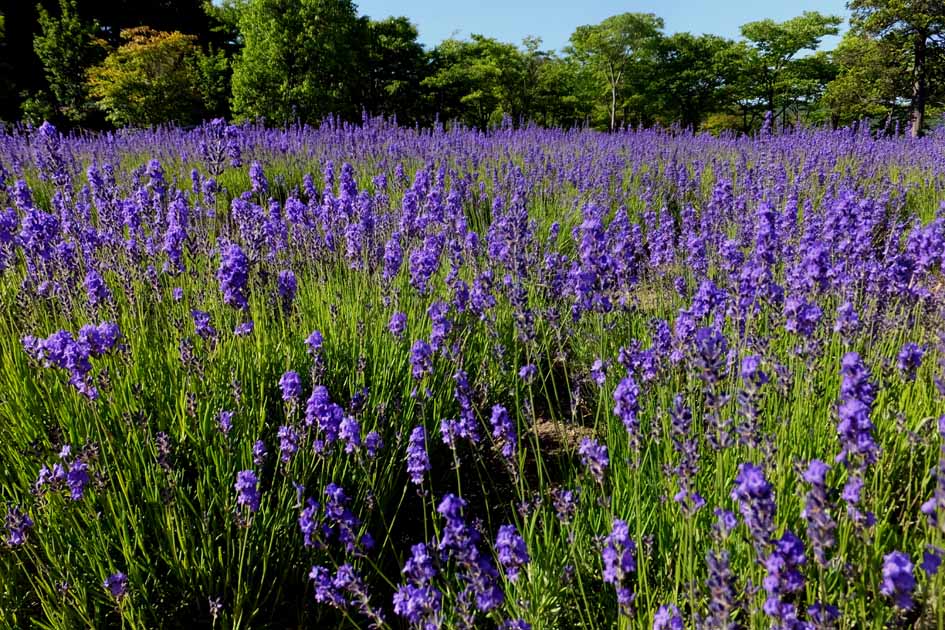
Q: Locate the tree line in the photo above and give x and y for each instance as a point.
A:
(101, 63)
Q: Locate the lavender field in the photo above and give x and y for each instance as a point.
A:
(377, 377)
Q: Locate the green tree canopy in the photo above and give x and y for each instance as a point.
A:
(693, 77)
(916, 25)
(298, 60)
(67, 46)
(476, 81)
(871, 75)
(396, 64)
(616, 50)
(777, 74)
(150, 79)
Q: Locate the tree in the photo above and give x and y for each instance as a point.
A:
(778, 76)
(7, 86)
(396, 64)
(693, 77)
(67, 48)
(114, 16)
(298, 60)
(870, 77)
(615, 48)
(476, 81)
(150, 79)
(918, 24)
(564, 93)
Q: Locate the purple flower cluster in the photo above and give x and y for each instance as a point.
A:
(816, 512)
(783, 580)
(16, 526)
(421, 359)
(511, 550)
(117, 585)
(627, 408)
(594, 457)
(418, 462)
(69, 473)
(909, 359)
(460, 542)
(898, 580)
(857, 394)
(247, 490)
(755, 498)
(503, 431)
(233, 275)
(73, 354)
(619, 556)
(291, 386)
(418, 601)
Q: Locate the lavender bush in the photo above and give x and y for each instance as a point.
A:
(557, 379)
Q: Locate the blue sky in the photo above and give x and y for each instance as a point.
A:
(554, 20)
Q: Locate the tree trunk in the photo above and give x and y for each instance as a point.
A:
(918, 85)
(613, 106)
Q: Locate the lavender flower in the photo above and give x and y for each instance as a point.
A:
(755, 498)
(527, 373)
(932, 560)
(247, 492)
(398, 324)
(783, 580)
(802, 316)
(288, 443)
(117, 585)
(291, 386)
(511, 551)
(314, 342)
(350, 433)
(259, 452)
(287, 286)
(820, 525)
(459, 541)
(342, 524)
(723, 595)
(668, 618)
(419, 605)
(16, 524)
(418, 462)
(599, 372)
(308, 523)
(440, 324)
(257, 179)
(373, 444)
(909, 359)
(202, 324)
(503, 431)
(823, 616)
(225, 421)
(857, 394)
(898, 581)
(619, 562)
(421, 362)
(594, 457)
(233, 275)
(565, 504)
(96, 289)
(847, 321)
(627, 407)
(417, 600)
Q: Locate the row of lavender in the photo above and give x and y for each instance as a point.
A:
(525, 378)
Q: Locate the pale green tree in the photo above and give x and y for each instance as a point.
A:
(616, 50)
